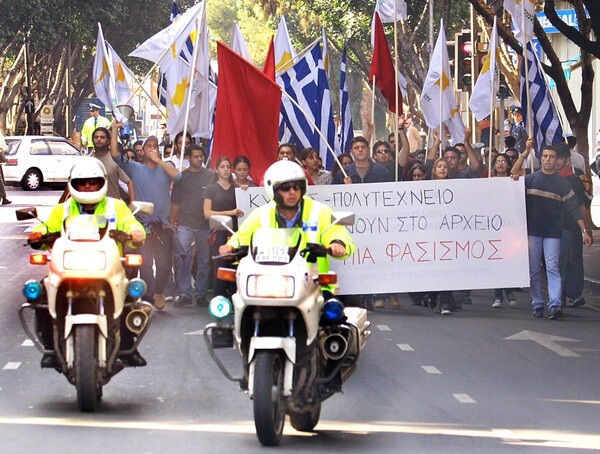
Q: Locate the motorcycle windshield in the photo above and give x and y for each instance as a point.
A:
(275, 246)
(85, 227)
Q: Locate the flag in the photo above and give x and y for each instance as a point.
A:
(247, 113)
(523, 17)
(163, 78)
(112, 78)
(238, 43)
(382, 69)
(437, 97)
(306, 83)
(385, 9)
(546, 123)
(347, 133)
(486, 85)
(269, 66)
(175, 83)
(284, 51)
(165, 46)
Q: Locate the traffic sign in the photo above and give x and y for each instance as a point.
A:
(29, 106)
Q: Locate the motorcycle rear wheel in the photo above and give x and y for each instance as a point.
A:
(269, 404)
(306, 422)
(86, 368)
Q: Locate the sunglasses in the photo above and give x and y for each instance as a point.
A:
(382, 151)
(285, 187)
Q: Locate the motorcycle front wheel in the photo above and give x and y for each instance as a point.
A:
(86, 368)
(269, 405)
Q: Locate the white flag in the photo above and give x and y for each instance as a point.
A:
(238, 43)
(284, 51)
(437, 98)
(169, 42)
(112, 78)
(523, 17)
(386, 11)
(486, 85)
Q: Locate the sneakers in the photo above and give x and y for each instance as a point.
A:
(497, 303)
(555, 312)
(445, 309)
(538, 313)
(183, 301)
(159, 301)
(202, 301)
(578, 302)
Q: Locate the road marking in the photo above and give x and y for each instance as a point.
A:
(11, 366)
(506, 435)
(431, 369)
(200, 332)
(547, 340)
(464, 398)
(405, 347)
(27, 343)
(384, 328)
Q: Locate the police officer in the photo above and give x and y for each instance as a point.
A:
(89, 126)
(517, 129)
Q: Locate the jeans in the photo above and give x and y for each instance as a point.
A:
(156, 251)
(184, 253)
(549, 248)
(571, 263)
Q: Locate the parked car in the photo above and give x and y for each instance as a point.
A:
(33, 161)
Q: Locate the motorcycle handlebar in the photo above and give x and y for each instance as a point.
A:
(46, 240)
(236, 254)
(119, 236)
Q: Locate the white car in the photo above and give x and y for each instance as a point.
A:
(33, 161)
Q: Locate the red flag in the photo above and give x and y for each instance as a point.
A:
(382, 68)
(247, 113)
(269, 66)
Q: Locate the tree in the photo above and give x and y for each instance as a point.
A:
(578, 119)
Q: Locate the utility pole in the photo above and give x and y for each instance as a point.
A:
(29, 104)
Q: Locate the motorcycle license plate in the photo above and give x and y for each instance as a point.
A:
(272, 253)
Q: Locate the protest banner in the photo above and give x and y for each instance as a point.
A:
(430, 235)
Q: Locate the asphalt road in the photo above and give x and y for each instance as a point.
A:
(481, 380)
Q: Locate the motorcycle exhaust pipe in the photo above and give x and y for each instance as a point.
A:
(136, 321)
(334, 346)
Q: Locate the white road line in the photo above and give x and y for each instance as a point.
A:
(11, 366)
(384, 328)
(405, 347)
(27, 343)
(464, 398)
(431, 369)
(506, 435)
(200, 332)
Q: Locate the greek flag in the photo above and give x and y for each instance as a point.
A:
(546, 123)
(347, 133)
(306, 83)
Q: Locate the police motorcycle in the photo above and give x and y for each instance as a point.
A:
(297, 348)
(88, 300)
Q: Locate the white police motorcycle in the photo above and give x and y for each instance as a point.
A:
(297, 349)
(88, 300)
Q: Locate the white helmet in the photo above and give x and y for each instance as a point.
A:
(84, 169)
(282, 172)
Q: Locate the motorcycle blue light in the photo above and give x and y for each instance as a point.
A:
(136, 288)
(333, 310)
(32, 290)
(219, 307)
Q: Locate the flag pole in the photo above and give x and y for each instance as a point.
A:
(396, 144)
(372, 116)
(189, 93)
(441, 95)
(312, 123)
(527, 91)
(492, 98)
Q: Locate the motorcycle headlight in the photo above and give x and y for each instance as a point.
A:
(136, 288)
(84, 260)
(270, 286)
(219, 307)
(333, 310)
(32, 290)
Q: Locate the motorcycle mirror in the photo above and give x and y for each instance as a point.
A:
(220, 222)
(26, 213)
(343, 218)
(142, 207)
